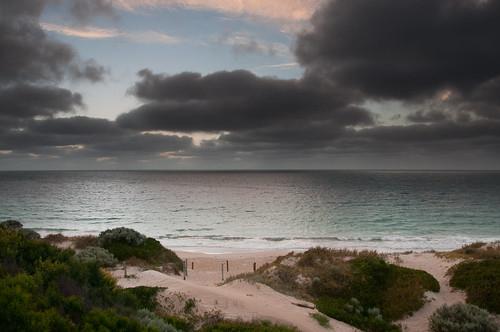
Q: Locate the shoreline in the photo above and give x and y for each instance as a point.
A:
(382, 245)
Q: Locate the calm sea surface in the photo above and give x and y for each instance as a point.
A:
(227, 211)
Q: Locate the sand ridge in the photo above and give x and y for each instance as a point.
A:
(240, 299)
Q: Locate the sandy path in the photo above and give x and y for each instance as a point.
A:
(207, 267)
(438, 267)
(238, 299)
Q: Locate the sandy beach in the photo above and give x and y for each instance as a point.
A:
(243, 300)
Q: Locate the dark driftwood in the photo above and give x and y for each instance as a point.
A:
(304, 305)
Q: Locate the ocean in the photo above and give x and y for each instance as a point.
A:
(231, 211)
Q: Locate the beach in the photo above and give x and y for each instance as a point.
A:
(240, 299)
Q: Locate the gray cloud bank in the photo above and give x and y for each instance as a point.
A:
(440, 57)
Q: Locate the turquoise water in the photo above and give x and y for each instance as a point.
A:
(227, 211)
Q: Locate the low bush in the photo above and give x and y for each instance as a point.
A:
(11, 224)
(153, 322)
(43, 288)
(140, 297)
(321, 319)
(55, 238)
(481, 282)
(476, 250)
(97, 255)
(14, 225)
(240, 326)
(353, 313)
(84, 241)
(125, 243)
(462, 318)
(121, 234)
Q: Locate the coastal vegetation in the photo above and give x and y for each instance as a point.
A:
(45, 288)
(125, 243)
(122, 244)
(359, 288)
(240, 326)
(462, 317)
(478, 274)
(480, 279)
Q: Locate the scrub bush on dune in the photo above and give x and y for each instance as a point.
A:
(125, 243)
(462, 318)
(97, 255)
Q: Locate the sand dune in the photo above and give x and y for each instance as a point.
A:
(240, 299)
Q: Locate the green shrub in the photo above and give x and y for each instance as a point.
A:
(148, 319)
(321, 319)
(43, 288)
(108, 320)
(14, 225)
(84, 241)
(462, 318)
(396, 290)
(140, 297)
(97, 255)
(481, 282)
(240, 326)
(55, 238)
(11, 224)
(476, 250)
(353, 313)
(121, 234)
(150, 251)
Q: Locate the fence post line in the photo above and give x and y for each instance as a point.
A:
(227, 265)
(222, 271)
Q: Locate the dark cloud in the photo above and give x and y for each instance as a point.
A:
(88, 70)
(26, 101)
(435, 132)
(404, 49)
(81, 136)
(78, 125)
(430, 116)
(29, 55)
(84, 10)
(439, 58)
(234, 100)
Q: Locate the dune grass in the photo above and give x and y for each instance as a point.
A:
(480, 279)
(240, 326)
(359, 288)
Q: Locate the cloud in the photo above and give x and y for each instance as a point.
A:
(288, 10)
(83, 10)
(438, 58)
(244, 43)
(26, 101)
(224, 101)
(29, 55)
(287, 65)
(404, 49)
(81, 32)
(83, 137)
(90, 32)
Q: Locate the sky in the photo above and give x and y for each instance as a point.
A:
(249, 84)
